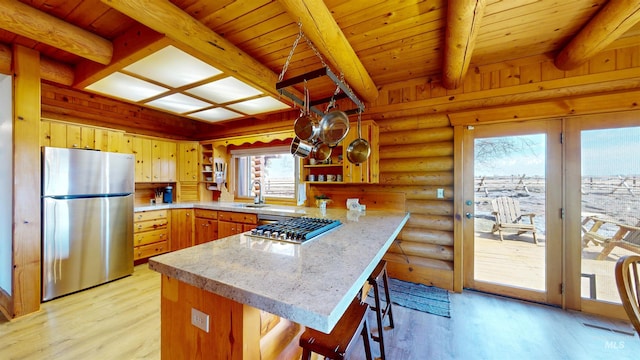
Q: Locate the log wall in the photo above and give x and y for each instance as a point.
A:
(416, 122)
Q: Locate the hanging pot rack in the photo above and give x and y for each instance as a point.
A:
(281, 85)
(325, 71)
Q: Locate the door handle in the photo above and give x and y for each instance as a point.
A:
(468, 215)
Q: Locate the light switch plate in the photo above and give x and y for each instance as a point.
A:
(440, 194)
(200, 320)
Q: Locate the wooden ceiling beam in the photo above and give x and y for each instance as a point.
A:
(321, 28)
(26, 21)
(136, 43)
(463, 23)
(50, 69)
(166, 18)
(616, 18)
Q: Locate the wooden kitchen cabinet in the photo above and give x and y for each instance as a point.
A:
(150, 233)
(365, 173)
(155, 159)
(163, 163)
(232, 223)
(181, 229)
(188, 165)
(141, 148)
(58, 134)
(205, 226)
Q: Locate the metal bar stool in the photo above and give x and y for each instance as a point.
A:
(380, 273)
(339, 343)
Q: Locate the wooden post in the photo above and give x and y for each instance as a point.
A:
(26, 173)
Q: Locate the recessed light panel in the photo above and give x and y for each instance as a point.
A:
(126, 87)
(178, 103)
(172, 67)
(225, 90)
(259, 105)
(217, 114)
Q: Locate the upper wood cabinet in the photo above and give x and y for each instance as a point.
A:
(163, 161)
(58, 134)
(188, 168)
(155, 159)
(141, 148)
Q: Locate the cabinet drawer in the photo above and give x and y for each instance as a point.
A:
(150, 215)
(141, 226)
(238, 217)
(149, 237)
(207, 214)
(145, 251)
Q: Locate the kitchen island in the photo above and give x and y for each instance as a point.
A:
(231, 279)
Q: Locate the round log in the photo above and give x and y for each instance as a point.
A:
(431, 222)
(417, 178)
(427, 236)
(429, 251)
(430, 207)
(442, 148)
(419, 262)
(413, 122)
(415, 192)
(440, 163)
(419, 136)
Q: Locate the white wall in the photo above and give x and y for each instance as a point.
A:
(6, 182)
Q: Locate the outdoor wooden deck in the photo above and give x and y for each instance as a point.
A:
(519, 262)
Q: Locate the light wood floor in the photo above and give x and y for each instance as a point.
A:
(121, 320)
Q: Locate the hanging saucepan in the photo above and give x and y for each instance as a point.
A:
(321, 151)
(305, 125)
(359, 149)
(300, 148)
(334, 126)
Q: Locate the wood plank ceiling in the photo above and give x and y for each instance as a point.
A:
(385, 41)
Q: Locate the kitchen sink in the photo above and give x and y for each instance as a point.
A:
(251, 205)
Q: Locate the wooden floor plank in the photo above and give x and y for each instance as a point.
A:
(121, 320)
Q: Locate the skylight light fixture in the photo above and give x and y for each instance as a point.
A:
(259, 105)
(126, 87)
(178, 103)
(215, 115)
(225, 90)
(172, 67)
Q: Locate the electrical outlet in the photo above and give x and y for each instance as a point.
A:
(200, 320)
(440, 193)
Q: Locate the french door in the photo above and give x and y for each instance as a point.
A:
(603, 196)
(513, 206)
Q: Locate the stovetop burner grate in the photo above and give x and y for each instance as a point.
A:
(295, 230)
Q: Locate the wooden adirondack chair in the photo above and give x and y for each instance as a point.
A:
(627, 237)
(628, 281)
(508, 217)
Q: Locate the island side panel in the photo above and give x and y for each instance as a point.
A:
(234, 328)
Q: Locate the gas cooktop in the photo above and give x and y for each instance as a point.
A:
(295, 230)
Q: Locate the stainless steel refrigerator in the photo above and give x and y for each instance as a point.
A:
(87, 219)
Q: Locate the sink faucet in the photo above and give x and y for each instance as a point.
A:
(258, 199)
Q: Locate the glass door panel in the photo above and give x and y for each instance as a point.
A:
(610, 207)
(510, 170)
(515, 248)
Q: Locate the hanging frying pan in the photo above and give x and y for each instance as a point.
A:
(305, 125)
(359, 149)
(334, 126)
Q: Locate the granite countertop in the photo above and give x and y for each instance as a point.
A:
(311, 283)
